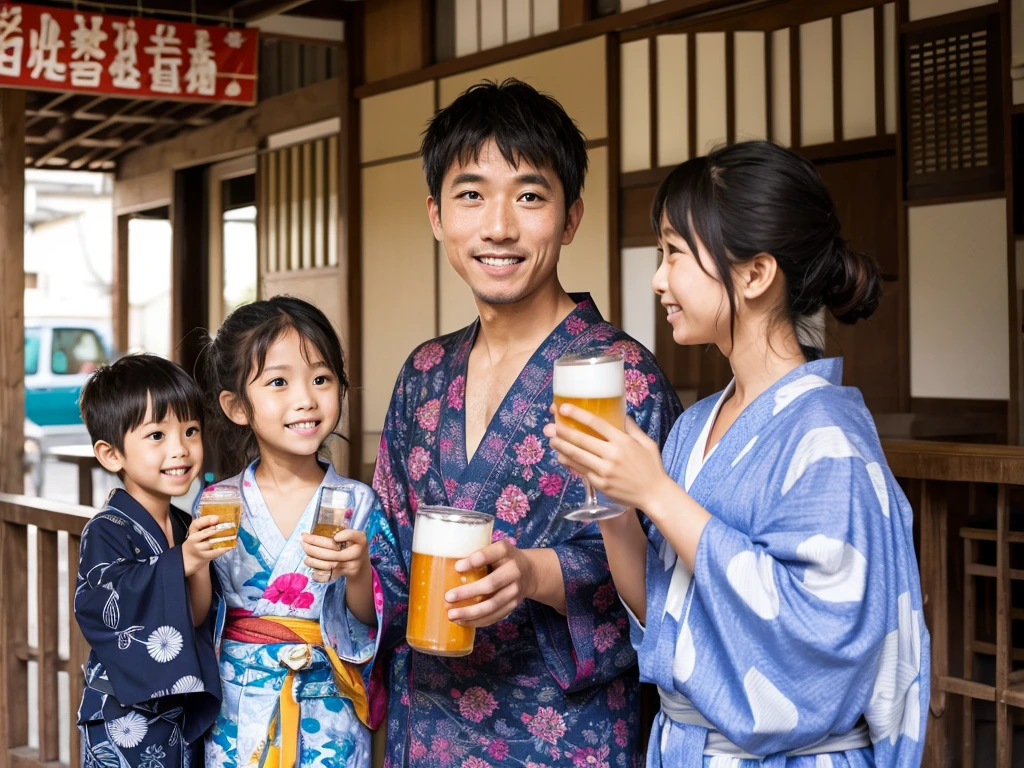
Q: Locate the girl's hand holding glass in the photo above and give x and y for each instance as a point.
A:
(347, 554)
(623, 465)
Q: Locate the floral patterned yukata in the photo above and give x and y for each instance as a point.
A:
(264, 577)
(540, 689)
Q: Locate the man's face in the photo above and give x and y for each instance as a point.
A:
(503, 227)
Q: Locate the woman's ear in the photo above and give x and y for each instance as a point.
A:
(756, 276)
(108, 456)
(232, 407)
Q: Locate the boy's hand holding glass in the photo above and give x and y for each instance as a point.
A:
(199, 547)
(623, 465)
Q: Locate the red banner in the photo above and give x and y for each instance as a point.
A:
(77, 50)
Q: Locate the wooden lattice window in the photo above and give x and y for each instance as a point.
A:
(953, 118)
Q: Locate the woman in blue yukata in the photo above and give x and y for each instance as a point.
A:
(294, 653)
(780, 552)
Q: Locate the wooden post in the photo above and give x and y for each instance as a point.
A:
(12, 290)
(46, 643)
(935, 591)
(78, 651)
(1004, 637)
(13, 638)
(119, 288)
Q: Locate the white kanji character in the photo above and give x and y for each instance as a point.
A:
(86, 45)
(12, 41)
(166, 60)
(122, 69)
(234, 39)
(201, 77)
(45, 44)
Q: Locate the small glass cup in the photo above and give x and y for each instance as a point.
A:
(595, 382)
(224, 501)
(333, 514)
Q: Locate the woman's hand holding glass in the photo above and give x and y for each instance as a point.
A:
(623, 465)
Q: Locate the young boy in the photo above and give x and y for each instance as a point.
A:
(151, 684)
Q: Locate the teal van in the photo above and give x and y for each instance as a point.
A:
(59, 356)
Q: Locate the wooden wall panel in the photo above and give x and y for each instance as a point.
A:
(750, 98)
(924, 9)
(635, 111)
(584, 263)
(558, 72)
(673, 100)
(517, 19)
(492, 24)
(958, 300)
(817, 125)
(640, 308)
(781, 87)
(711, 91)
(398, 35)
(545, 16)
(392, 123)
(467, 28)
(889, 34)
(858, 81)
(398, 261)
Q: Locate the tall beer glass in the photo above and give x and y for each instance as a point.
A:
(333, 515)
(441, 537)
(596, 383)
(224, 501)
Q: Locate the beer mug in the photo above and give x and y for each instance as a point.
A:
(333, 514)
(224, 501)
(596, 383)
(441, 537)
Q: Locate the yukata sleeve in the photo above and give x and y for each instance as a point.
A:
(591, 644)
(795, 625)
(135, 615)
(391, 483)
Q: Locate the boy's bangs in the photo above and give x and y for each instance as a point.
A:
(171, 397)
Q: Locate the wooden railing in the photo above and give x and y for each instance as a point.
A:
(953, 486)
(50, 519)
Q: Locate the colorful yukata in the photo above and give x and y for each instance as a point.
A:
(540, 689)
(292, 661)
(151, 683)
(805, 605)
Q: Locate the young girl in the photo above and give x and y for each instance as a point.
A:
(293, 653)
(781, 554)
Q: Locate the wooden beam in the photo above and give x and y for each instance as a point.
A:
(237, 135)
(12, 289)
(396, 38)
(573, 12)
(72, 141)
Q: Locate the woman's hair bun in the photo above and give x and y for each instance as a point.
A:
(856, 284)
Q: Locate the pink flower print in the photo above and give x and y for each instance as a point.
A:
(550, 483)
(476, 704)
(527, 473)
(575, 325)
(484, 651)
(603, 333)
(531, 764)
(417, 749)
(507, 630)
(628, 350)
(419, 462)
(287, 589)
(456, 392)
(604, 597)
(512, 505)
(498, 749)
(547, 725)
(463, 502)
(440, 749)
(303, 601)
(590, 757)
(428, 414)
(502, 536)
(475, 762)
(651, 378)
(428, 356)
(605, 636)
(621, 731)
(616, 694)
(519, 406)
(530, 451)
(636, 387)
(446, 445)
(450, 486)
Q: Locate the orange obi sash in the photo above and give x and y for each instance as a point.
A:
(266, 630)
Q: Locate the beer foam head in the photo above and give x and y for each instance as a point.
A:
(605, 378)
(447, 535)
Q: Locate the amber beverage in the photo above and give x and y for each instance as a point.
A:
(225, 502)
(442, 536)
(333, 515)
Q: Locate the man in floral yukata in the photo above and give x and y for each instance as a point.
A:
(552, 680)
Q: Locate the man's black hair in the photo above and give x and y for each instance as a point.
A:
(115, 399)
(524, 123)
